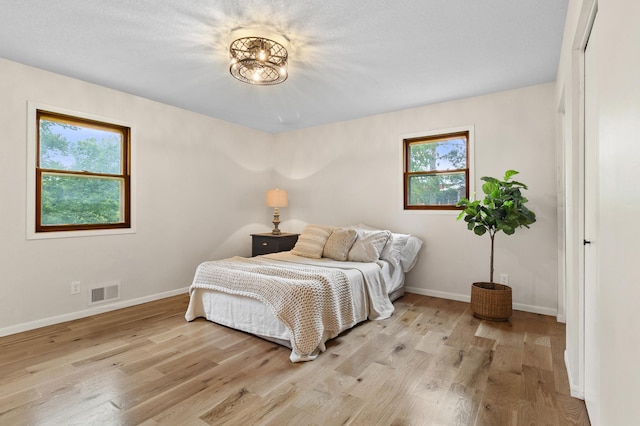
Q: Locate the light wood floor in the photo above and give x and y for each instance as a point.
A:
(431, 363)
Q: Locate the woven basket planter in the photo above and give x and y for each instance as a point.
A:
(491, 301)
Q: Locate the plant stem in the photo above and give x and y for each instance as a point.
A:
(492, 235)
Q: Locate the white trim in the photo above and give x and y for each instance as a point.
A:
(471, 155)
(589, 379)
(575, 390)
(574, 198)
(19, 328)
(561, 124)
(467, 298)
(552, 312)
(31, 233)
(439, 294)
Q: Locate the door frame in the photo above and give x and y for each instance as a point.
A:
(573, 154)
(591, 224)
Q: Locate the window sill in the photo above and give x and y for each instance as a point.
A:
(435, 211)
(32, 235)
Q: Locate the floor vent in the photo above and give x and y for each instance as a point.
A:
(106, 293)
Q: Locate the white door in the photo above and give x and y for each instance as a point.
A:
(592, 337)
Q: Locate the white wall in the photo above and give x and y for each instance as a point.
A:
(619, 127)
(619, 209)
(619, 95)
(351, 172)
(199, 183)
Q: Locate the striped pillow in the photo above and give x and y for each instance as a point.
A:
(312, 240)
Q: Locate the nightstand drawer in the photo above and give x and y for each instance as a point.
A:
(269, 243)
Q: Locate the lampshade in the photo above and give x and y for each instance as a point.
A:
(259, 61)
(277, 198)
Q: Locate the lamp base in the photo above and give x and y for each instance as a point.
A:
(276, 222)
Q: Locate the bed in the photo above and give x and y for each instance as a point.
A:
(333, 279)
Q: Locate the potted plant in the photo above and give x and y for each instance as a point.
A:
(502, 209)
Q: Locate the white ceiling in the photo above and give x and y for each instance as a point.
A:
(348, 59)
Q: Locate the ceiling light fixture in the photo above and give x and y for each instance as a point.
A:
(258, 61)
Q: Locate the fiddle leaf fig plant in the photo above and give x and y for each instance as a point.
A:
(502, 209)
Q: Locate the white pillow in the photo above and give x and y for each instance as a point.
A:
(312, 240)
(339, 243)
(368, 245)
(401, 249)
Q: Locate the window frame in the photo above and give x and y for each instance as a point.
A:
(407, 140)
(35, 230)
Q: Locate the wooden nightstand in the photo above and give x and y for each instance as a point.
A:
(269, 243)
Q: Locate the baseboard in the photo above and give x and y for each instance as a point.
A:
(576, 391)
(467, 298)
(19, 328)
(440, 294)
(561, 318)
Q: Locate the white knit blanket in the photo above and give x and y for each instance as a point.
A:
(313, 303)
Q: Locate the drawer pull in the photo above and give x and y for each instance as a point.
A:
(265, 244)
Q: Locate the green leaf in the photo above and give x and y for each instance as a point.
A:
(490, 187)
(489, 179)
(520, 184)
(480, 230)
(463, 202)
(510, 173)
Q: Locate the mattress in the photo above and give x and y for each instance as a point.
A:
(255, 317)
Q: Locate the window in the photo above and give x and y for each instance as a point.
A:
(436, 171)
(82, 174)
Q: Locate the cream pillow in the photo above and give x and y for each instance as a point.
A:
(368, 245)
(312, 240)
(401, 250)
(339, 243)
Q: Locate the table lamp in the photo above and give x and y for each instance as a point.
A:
(276, 198)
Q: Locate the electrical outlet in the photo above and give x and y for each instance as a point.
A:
(504, 279)
(75, 287)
